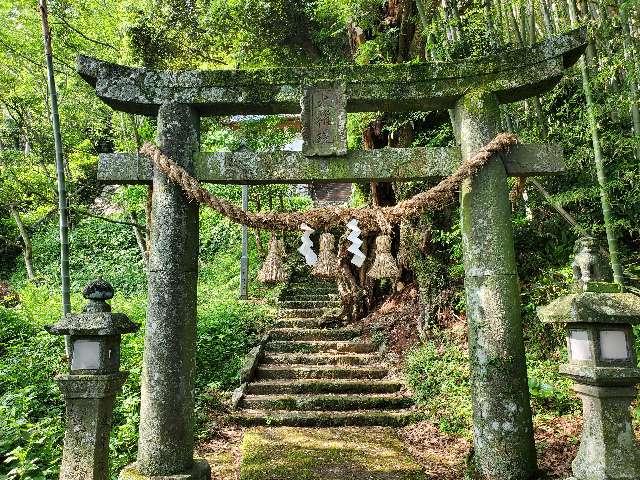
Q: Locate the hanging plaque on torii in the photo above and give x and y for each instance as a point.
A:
(472, 88)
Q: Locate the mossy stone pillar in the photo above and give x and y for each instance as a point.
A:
(502, 425)
(89, 406)
(165, 448)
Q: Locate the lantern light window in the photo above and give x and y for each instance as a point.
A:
(86, 355)
(579, 345)
(613, 345)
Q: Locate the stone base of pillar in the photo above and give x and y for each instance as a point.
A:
(200, 471)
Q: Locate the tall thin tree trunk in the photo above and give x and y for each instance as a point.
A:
(557, 11)
(546, 17)
(26, 242)
(488, 14)
(612, 239)
(62, 191)
(140, 239)
(631, 56)
(522, 38)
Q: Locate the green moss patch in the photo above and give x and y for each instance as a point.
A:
(326, 454)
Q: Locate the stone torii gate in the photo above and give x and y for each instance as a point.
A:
(473, 88)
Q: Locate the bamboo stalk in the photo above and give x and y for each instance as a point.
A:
(60, 172)
(634, 75)
(612, 240)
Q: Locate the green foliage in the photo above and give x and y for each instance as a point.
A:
(438, 374)
(98, 249)
(30, 438)
(30, 404)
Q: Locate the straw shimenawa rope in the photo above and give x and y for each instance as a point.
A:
(370, 219)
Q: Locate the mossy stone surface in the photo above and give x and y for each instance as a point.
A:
(166, 411)
(592, 307)
(385, 164)
(512, 75)
(608, 449)
(89, 406)
(199, 470)
(502, 424)
(326, 454)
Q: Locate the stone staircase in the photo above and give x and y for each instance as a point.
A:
(310, 374)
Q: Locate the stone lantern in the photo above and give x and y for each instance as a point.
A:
(603, 365)
(90, 387)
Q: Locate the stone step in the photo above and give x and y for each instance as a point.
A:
(294, 304)
(309, 297)
(318, 346)
(322, 402)
(276, 418)
(321, 359)
(315, 281)
(313, 333)
(312, 281)
(280, 372)
(301, 313)
(274, 387)
(300, 323)
(303, 289)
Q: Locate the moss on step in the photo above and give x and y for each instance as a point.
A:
(361, 418)
(326, 454)
(319, 347)
(324, 386)
(322, 402)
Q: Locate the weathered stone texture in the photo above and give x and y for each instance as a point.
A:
(503, 430)
(324, 120)
(199, 470)
(166, 412)
(95, 323)
(513, 76)
(89, 405)
(592, 307)
(385, 164)
(608, 449)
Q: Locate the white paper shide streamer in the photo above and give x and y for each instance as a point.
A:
(306, 249)
(356, 243)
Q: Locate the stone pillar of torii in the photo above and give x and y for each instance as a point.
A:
(473, 89)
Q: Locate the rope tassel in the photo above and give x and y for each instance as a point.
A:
(384, 265)
(273, 270)
(327, 264)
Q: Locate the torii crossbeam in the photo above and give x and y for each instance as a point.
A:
(473, 89)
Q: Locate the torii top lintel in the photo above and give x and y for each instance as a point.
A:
(513, 75)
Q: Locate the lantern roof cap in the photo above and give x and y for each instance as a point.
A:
(96, 319)
(591, 307)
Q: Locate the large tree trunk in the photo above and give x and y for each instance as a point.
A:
(26, 243)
